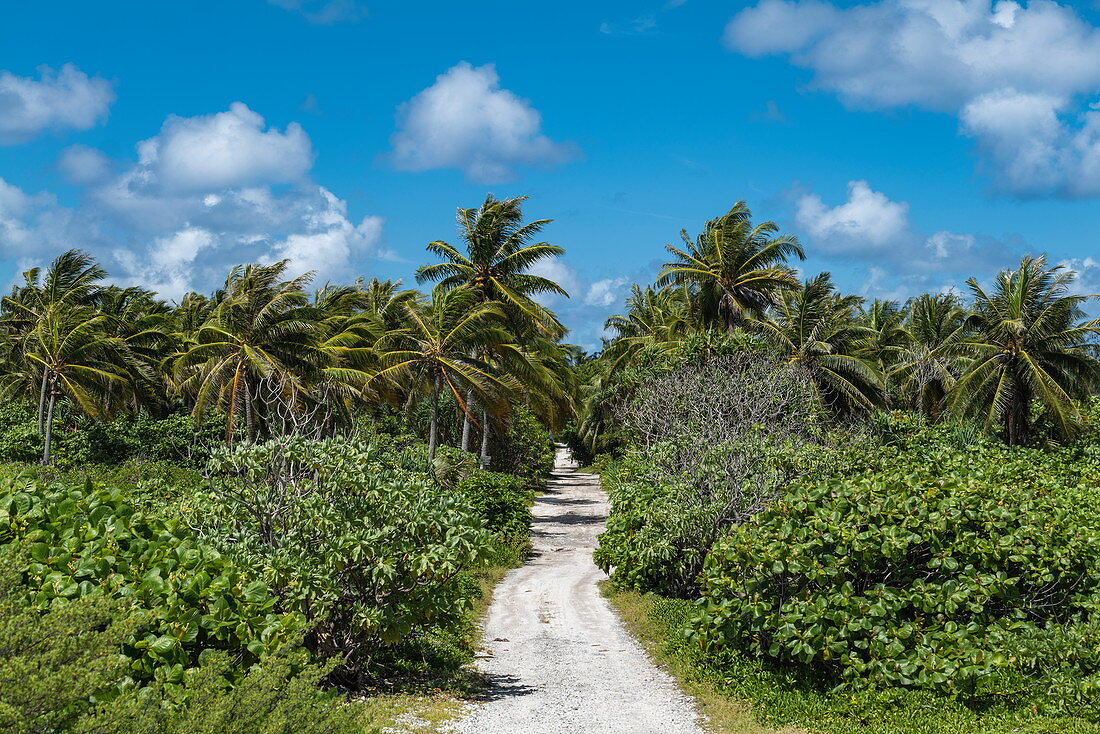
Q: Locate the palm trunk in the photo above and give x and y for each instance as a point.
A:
(467, 424)
(484, 439)
(433, 430)
(42, 403)
(49, 426)
(410, 403)
(250, 428)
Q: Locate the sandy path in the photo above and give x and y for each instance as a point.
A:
(557, 659)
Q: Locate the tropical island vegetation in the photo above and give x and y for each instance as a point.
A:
(262, 508)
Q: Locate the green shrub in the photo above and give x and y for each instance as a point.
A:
(525, 450)
(155, 488)
(503, 501)
(79, 440)
(60, 671)
(188, 598)
(19, 436)
(717, 441)
(368, 553)
(53, 661)
(902, 581)
(278, 695)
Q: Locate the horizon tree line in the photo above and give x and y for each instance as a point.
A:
(1016, 357)
(273, 356)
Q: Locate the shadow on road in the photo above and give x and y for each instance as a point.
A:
(499, 687)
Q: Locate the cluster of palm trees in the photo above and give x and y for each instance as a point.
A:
(273, 356)
(1018, 355)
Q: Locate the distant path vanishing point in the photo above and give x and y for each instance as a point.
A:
(557, 659)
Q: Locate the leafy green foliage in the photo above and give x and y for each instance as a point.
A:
(526, 450)
(188, 598)
(899, 580)
(53, 662)
(369, 554)
(61, 671)
(502, 500)
(80, 441)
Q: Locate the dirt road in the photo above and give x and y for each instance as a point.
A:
(557, 658)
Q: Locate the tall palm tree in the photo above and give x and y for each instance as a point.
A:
(499, 255)
(438, 349)
(497, 263)
(1027, 346)
(931, 361)
(820, 331)
(736, 271)
(263, 328)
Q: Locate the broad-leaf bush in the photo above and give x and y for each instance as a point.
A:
(502, 500)
(187, 598)
(368, 553)
(61, 671)
(902, 580)
(525, 450)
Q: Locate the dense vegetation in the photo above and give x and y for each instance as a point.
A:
(890, 503)
(218, 515)
(265, 498)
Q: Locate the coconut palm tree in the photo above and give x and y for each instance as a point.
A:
(497, 263)
(1027, 347)
(438, 348)
(655, 318)
(496, 267)
(820, 331)
(931, 361)
(72, 280)
(263, 330)
(736, 271)
(887, 339)
(81, 362)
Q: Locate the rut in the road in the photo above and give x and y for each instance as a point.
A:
(557, 659)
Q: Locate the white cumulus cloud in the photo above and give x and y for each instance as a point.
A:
(867, 220)
(57, 100)
(180, 215)
(606, 292)
(1016, 75)
(225, 149)
(83, 165)
(465, 120)
(870, 228)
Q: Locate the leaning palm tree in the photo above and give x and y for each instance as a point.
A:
(437, 349)
(80, 361)
(820, 331)
(72, 280)
(930, 363)
(736, 271)
(1027, 347)
(263, 332)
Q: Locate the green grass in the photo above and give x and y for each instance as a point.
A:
(742, 696)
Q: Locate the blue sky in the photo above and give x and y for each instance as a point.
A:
(910, 144)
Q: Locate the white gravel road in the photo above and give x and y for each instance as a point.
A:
(557, 659)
